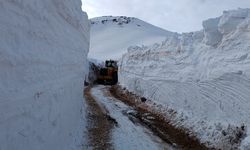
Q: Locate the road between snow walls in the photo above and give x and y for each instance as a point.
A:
(203, 76)
(116, 122)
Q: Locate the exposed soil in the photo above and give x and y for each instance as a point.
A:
(157, 122)
(100, 124)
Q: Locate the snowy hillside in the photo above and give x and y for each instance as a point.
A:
(43, 50)
(111, 36)
(204, 76)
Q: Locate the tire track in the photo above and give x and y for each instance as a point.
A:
(99, 124)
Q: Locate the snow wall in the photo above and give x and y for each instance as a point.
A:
(43, 62)
(204, 76)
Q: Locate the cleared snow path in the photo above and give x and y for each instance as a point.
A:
(98, 125)
(126, 132)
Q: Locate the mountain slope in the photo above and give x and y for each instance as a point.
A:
(111, 36)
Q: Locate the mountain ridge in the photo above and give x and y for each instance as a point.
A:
(117, 33)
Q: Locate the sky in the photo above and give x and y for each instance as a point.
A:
(173, 15)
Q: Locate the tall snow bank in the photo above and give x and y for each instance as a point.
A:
(43, 61)
(204, 76)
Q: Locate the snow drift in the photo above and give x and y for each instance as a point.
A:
(204, 76)
(43, 61)
(111, 36)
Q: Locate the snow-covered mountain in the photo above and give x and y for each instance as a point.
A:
(43, 61)
(204, 76)
(111, 36)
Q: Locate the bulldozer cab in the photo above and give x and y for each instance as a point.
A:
(111, 63)
(108, 74)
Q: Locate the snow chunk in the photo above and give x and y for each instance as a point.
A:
(212, 34)
(231, 19)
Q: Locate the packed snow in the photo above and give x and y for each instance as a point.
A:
(111, 36)
(43, 62)
(204, 76)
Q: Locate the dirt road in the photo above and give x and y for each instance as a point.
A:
(99, 128)
(115, 124)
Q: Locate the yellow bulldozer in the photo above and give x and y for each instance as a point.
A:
(108, 75)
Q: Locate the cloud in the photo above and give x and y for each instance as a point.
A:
(177, 15)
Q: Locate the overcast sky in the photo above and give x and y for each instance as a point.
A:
(172, 15)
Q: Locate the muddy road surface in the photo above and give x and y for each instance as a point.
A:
(113, 124)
